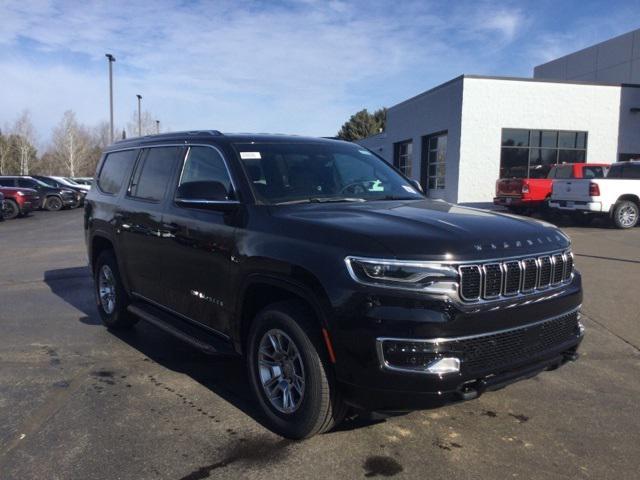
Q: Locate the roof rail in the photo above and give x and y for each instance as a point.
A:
(213, 133)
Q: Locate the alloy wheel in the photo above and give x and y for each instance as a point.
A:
(628, 216)
(107, 289)
(281, 371)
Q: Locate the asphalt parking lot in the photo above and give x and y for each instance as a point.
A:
(79, 402)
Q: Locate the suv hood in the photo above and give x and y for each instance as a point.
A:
(427, 229)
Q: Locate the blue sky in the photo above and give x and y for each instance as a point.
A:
(273, 66)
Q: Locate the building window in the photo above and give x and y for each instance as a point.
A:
(532, 153)
(402, 157)
(434, 156)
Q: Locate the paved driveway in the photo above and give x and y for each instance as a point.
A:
(79, 402)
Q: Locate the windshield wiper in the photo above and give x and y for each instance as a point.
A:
(322, 200)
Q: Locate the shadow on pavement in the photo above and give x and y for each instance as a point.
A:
(224, 376)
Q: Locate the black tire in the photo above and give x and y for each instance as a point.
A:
(321, 406)
(53, 203)
(117, 317)
(625, 214)
(10, 209)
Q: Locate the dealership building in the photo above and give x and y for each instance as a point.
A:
(458, 138)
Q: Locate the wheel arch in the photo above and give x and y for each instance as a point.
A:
(262, 289)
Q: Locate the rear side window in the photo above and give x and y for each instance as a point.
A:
(153, 172)
(6, 182)
(628, 170)
(114, 168)
(593, 172)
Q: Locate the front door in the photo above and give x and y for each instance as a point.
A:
(139, 220)
(199, 246)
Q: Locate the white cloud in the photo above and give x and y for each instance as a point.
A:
(295, 66)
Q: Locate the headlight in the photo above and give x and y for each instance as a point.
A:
(429, 277)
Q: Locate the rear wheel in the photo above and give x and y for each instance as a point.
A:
(625, 214)
(111, 298)
(290, 373)
(10, 210)
(53, 204)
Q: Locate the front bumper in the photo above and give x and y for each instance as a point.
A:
(571, 205)
(70, 201)
(494, 346)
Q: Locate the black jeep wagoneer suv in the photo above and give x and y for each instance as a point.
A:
(330, 272)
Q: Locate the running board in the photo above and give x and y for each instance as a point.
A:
(199, 337)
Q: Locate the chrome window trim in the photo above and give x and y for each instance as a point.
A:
(186, 144)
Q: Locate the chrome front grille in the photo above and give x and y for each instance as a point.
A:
(494, 280)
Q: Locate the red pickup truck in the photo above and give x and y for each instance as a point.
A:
(524, 195)
(18, 202)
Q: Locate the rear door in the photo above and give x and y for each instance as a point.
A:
(199, 245)
(139, 220)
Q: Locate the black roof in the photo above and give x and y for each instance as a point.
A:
(209, 136)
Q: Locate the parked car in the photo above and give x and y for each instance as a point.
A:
(341, 284)
(51, 198)
(83, 180)
(18, 202)
(525, 195)
(61, 182)
(617, 196)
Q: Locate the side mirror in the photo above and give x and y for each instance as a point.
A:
(204, 194)
(417, 185)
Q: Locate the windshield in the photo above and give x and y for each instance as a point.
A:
(69, 181)
(320, 172)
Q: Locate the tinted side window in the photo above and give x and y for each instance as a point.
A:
(26, 183)
(631, 171)
(204, 164)
(114, 168)
(6, 182)
(153, 173)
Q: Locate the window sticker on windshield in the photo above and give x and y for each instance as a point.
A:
(409, 189)
(365, 152)
(250, 155)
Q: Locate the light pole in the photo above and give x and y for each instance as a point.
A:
(157, 126)
(111, 59)
(139, 115)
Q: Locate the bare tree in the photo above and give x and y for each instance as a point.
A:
(148, 122)
(71, 144)
(5, 150)
(25, 134)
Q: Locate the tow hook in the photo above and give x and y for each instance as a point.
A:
(472, 389)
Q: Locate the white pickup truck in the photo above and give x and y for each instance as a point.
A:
(616, 196)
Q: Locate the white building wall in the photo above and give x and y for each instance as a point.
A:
(615, 61)
(433, 111)
(489, 105)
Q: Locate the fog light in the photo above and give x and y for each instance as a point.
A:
(444, 365)
(580, 329)
(415, 356)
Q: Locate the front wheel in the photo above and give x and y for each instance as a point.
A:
(53, 204)
(625, 214)
(290, 374)
(10, 210)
